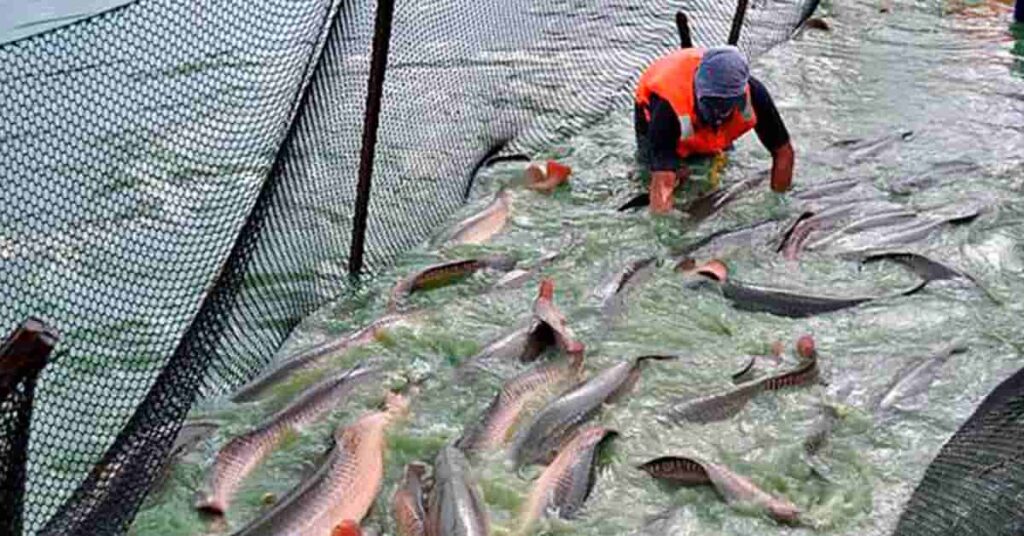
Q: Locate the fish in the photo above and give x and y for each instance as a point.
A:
(443, 274)
(939, 170)
(344, 487)
(245, 452)
(916, 378)
(522, 344)
(540, 440)
(546, 327)
(545, 311)
(796, 236)
(863, 149)
(721, 406)
(492, 429)
(455, 507)
(914, 231)
(708, 205)
(516, 278)
(564, 486)
(733, 488)
(829, 189)
(783, 302)
(314, 357)
(925, 268)
(876, 220)
(612, 291)
(480, 227)
(746, 373)
(725, 240)
(407, 502)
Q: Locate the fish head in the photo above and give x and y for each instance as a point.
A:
(546, 291)
(557, 172)
(396, 404)
(534, 174)
(347, 527)
(805, 347)
(784, 511)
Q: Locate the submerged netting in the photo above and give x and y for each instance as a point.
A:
(180, 187)
(975, 485)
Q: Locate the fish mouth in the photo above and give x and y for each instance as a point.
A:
(212, 505)
(714, 269)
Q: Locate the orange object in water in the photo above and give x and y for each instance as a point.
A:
(558, 172)
(715, 269)
(805, 346)
(671, 78)
(347, 528)
(547, 290)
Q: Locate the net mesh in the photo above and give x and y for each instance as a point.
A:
(181, 181)
(974, 485)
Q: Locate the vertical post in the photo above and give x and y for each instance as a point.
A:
(22, 357)
(683, 28)
(1018, 11)
(737, 22)
(375, 86)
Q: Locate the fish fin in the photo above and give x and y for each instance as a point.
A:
(637, 201)
(741, 376)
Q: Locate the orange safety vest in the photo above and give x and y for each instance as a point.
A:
(671, 78)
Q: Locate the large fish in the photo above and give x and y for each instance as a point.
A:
(343, 488)
(925, 267)
(546, 327)
(564, 486)
(881, 219)
(733, 488)
(540, 441)
(244, 453)
(407, 502)
(916, 378)
(710, 204)
(914, 231)
(480, 227)
(938, 171)
(314, 357)
(721, 406)
(859, 150)
(492, 429)
(724, 241)
(612, 292)
(782, 302)
(705, 206)
(445, 273)
(455, 507)
(545, 310)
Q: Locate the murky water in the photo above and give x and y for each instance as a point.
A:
(947, 72)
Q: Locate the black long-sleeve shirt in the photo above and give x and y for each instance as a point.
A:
(663, 130)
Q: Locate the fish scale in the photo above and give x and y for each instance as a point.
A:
(244, 453)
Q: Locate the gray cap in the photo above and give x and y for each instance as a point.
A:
(723, 72)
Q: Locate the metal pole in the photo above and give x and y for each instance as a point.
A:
(737, 22)
(683, 27)
(22, 357)
(375, 85)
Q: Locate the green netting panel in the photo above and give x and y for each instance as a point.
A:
(975, 486)
(180, 180)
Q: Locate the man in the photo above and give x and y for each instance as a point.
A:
(697, 102)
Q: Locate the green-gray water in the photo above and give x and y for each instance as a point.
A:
(948, 72)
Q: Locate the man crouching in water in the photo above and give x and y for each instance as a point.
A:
(698, 101)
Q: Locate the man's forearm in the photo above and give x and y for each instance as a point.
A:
(782, 168)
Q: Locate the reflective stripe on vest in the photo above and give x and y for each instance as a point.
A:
(671, 78)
